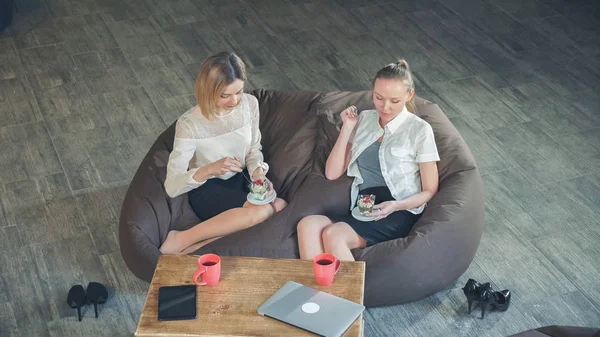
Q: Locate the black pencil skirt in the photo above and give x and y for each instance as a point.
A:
(216, 196)
(394, 226)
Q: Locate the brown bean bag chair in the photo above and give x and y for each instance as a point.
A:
(299, 130)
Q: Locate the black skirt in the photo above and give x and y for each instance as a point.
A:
(216, 196)
(394, 226)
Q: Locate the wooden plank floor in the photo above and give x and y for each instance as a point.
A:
(86, 86)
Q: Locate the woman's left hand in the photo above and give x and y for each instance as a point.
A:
(258, 174)
(271, 190)
(384, 209)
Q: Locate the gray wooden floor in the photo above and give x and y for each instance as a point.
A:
(86, 86)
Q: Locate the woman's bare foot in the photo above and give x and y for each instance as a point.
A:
(172, 244)
(279, 204)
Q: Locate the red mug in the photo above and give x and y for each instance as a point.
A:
(325, 267)
(209, 266)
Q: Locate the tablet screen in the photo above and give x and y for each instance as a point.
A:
(177, 302)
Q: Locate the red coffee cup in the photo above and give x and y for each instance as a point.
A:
(209, 266)
(325, 267)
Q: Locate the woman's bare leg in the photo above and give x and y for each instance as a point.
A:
(339, 239)
(309, 235)
(199, 245)
(228, 222)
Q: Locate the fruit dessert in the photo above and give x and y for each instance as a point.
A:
(365, 204)
(259, 189)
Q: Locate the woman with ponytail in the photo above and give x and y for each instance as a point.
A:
(391, 154)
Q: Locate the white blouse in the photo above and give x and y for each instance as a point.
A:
(199, 141)
(408, 141)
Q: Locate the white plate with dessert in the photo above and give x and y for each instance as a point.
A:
(364, 208)
(258, 193)
(254, 200)
(358, 216)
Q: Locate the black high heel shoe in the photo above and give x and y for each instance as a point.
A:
(97, 294)
(471, 291)
(486, 296)
(76, 298)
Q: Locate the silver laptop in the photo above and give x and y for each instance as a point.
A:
(312, 310)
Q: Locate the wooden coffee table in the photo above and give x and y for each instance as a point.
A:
(230, 308)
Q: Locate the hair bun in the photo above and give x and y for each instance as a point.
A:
(402, 64)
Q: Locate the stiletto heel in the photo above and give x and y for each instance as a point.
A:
(470, 290)
(485, 298)
(97, 294)
(76, 298)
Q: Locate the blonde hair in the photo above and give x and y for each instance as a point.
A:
(399, 71)
(217, 72)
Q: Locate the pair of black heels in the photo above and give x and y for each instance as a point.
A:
(96, 294)
(486, 296)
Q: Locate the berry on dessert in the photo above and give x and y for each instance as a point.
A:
(259, 189)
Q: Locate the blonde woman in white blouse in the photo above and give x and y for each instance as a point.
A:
(215, 142)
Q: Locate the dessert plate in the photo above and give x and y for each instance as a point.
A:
(356, 215)
(251, 199)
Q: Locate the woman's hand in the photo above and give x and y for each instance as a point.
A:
(259, 174)
(350, 117)
(339, 157)
(223, 165)
(384, 209)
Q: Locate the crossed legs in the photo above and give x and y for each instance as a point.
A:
(230, 221)
(318, 234)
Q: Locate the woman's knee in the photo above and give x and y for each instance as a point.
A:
(333, 234)
(312, 223)
(341, 233)
(306, 223)
(258, 214)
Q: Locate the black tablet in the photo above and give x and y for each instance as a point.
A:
(177, 303)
